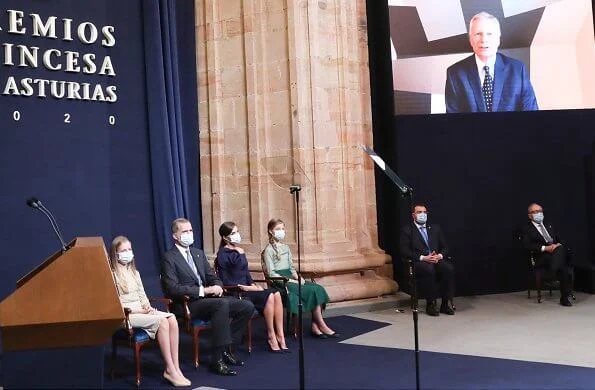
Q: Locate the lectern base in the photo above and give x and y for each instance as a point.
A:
(66, 368)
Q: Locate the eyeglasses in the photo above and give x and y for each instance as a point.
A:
(535, 211)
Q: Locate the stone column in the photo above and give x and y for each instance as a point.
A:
(284, 88)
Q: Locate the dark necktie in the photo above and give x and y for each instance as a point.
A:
(488, 88)
(545, 234)
(424, 234)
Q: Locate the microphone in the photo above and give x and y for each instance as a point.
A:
(36, 204)
(33, 202)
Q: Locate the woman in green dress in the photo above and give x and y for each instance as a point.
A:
(278, 262)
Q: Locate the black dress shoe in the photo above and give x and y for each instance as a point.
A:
(221, 368)
(446, 308)
(431, 309)
(565, 302)
(286, 350)
(334, 335)
(319, 335)
(228, 358)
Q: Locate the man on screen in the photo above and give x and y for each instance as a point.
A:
(488, 81)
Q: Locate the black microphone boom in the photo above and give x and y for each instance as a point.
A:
(36, 204)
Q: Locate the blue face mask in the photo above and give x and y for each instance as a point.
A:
(538, 217)
(421, 218)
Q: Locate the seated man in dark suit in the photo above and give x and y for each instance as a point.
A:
(186, 271)
(425, 245)
(487, 80)
(549, 253)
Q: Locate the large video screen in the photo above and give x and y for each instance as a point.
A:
(460, 56)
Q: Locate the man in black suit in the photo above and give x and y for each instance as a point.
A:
(425, 245)
(186, 271)
(544, 242)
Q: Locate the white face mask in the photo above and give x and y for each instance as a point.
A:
(125, 257)
(421, 218)
(235, 238)
(187, 239)
(279, 234)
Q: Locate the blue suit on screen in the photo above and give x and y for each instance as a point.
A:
(512, 87)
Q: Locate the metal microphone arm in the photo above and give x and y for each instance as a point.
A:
(36, 204)
(54, 227)
(54, 224)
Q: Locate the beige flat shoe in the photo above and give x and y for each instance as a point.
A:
(175, 382)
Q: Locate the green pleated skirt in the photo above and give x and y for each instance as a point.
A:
(312, 294)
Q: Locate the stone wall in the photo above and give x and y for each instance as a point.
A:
(284, 98)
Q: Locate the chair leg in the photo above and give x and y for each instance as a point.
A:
(137, 348)
(572, 286)
(538, 286)
(287, 321)
(249, 335)
(196, 345)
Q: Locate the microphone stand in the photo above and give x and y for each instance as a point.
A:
(295, 191)
(405, 191)
(414, 298)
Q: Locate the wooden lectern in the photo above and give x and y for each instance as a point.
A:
(69, 301)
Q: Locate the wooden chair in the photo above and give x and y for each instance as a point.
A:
(539, 277)
(280, 283)
(409, 264)
(236, 291)
(189, 325)
(543, 279)
(193, 326)
(135, 338)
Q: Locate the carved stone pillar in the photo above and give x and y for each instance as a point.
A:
(288, 81)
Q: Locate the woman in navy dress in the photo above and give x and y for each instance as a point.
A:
(232, 268)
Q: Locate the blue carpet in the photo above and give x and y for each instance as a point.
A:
(331, 365)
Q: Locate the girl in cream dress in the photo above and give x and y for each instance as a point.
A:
(156, 323)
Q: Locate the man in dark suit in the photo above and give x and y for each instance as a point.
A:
(488, 81)
(544, 242)
(425, 245)
(186, 271)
